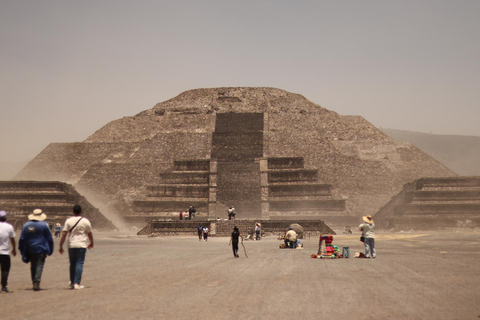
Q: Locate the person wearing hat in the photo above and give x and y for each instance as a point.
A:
(7, 240)
(35, 244)
(369, 236)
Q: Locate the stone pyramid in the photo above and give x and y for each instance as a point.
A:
(270, 153)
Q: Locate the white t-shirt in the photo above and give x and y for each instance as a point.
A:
(78, 238)
(6, 232)
(367, 230)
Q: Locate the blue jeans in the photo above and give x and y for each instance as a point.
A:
(77, 258)
(370, 247)
(37, 261)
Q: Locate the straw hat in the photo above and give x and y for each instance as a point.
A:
(37, 215)
(368, 219)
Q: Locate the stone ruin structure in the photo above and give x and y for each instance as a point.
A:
(225, 228)
(270, 153)
(433, 203)
(56, 199)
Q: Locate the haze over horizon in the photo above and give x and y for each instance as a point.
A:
(70, 67)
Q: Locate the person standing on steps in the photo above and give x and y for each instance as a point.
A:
(35, 244)
(7, 241)
(231, 213)
(80, 238)
(191, 212)
(234, 241)
(369, 236)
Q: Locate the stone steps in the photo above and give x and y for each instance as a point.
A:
(56, 199)
(443, 195)
(444, 208)
(167, 206)
(435, 202)
(233, 176)
(225, 228)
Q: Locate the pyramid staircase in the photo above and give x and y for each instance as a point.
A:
(237, 174)
(187, 185)
(293, 192)
(431, 203)
(56, 199)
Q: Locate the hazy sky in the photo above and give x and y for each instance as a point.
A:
(69, 67)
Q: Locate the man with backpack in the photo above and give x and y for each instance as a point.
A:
(80, 238)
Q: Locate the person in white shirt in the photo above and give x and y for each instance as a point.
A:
(7, 241)
(369, 236)
(205, 233)
(80, 238)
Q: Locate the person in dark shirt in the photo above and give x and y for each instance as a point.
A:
(191, 212)
(234, 241)
(35, 244)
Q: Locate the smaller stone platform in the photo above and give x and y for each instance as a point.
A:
(431, 203)
(56, 199)
(224, 228)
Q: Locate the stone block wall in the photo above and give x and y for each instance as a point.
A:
(435, 202)
(225, 228)
(56, 199)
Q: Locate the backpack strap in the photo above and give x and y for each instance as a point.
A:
(75, 225)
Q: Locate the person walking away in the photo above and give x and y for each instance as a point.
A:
(369, 236)
(205, 233)
(58, 230)
(191, 212)
(234, 241)
(35, 244)
(7, 241)
(200, 232)
(80, 238)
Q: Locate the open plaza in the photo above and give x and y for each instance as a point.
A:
(431, 275)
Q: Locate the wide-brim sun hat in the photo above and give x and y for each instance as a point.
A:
(37, 215)
(368, 219)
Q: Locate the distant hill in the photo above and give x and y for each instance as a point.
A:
(9, 169)
(458, 153)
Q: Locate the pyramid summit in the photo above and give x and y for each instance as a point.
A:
(270, 153)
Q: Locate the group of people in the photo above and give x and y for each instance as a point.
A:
(202, 233)
(36, 243)
(188, 214)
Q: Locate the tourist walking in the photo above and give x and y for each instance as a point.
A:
(7, 243)
(58, 230)
(234, 241)
(368, 236)
(200, 232)
(80, 238)
(35, 244)
(205, 233)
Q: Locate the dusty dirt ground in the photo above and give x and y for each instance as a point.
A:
(415, 276)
